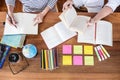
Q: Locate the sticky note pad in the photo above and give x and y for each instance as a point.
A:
(67, 60)
(67, 49)
(88, 60)
(77, 60)
(88, 50)
(77, 49)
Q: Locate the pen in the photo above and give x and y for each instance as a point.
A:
(11, 20)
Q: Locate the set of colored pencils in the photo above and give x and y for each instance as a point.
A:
(49, 59)
(101, 53)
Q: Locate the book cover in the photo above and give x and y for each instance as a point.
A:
(13, 40)
(4, 50)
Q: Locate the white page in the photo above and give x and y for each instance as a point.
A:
(88, 36)
(64, 32)
(68, 16)
(80, 23)
(104, 33)
(51, 37)
(25, 25)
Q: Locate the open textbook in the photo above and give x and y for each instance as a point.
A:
(56, 35)
(100, 33)
(25, 24)
(73, 21)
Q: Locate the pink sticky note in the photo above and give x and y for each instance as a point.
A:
(77, 60)
(67, 49)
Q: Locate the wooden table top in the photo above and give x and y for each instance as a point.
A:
(105, 70)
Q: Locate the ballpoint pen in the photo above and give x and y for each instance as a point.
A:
(11, 20)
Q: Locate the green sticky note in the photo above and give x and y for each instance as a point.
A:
(67, 60)
(89, 60)
(77, 49)
(88, 50)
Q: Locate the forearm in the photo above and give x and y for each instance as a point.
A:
(45, 11)
(10, 9)
(103, 13)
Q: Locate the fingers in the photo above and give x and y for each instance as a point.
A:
(67, 5)
(11, 20)
(90, 22)
(38, 19)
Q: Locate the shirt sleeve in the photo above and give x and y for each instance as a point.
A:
(78, 3)
(113, 4)
(52, 3)
(10, 2)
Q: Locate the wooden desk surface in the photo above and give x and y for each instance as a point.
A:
(105, 70)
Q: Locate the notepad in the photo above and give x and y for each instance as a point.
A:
(56, 35)
(88, 50)
(67, 49)
(67, 60)
(89, 60)
(25, 24)
(77, 60)
(77, 49)
(13, 40)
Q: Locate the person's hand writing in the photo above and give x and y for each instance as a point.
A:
(67, 4)
(11, 20)
(39, 18)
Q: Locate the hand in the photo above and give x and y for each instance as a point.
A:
(11, 20)
(39, 18)
(67, 4)
(91, 22)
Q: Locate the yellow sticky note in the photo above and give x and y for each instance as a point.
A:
(77, 49)
(89, 60)
(88, 50)
(67, 60)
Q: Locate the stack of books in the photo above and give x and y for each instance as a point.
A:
(49, 59)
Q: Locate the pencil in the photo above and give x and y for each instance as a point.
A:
(11, 20)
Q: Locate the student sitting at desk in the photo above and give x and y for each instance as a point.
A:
(41, 6)
(94, 6)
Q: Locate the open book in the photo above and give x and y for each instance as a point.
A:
(73, 21)
(56, 35)
(25, 25)
(100, 33)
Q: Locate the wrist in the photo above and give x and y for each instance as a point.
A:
(70, 1)
(93, 20)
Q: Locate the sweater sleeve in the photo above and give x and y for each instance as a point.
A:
(113, 4)
(10, 2)
(78, 3)
(52, 3)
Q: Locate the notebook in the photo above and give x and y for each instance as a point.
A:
(25, 24)
(13, 40)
